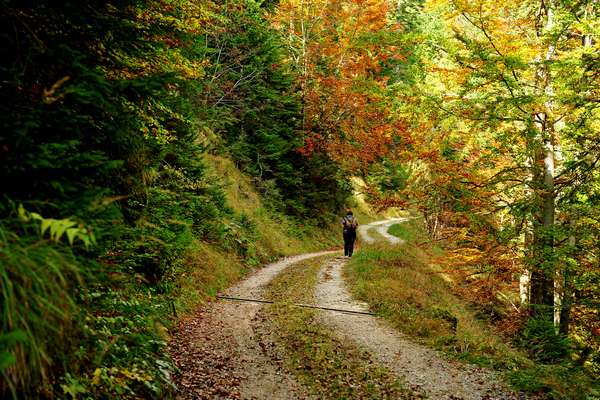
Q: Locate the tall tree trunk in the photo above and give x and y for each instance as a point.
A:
(542, 274)
(566, 301)
(525, 279)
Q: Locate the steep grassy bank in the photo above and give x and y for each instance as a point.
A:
(263, 235)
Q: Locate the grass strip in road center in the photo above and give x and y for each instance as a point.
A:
(331, 366)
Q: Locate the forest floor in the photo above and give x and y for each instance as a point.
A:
(228, 349)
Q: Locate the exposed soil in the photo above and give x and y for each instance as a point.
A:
(226, 350)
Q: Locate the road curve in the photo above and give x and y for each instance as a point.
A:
(382, 228)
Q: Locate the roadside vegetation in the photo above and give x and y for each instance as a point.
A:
(109, 340)
(409, 286)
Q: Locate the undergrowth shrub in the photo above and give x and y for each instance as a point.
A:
(124, 354)
(38, 286)
(74, 326)
(541, 341)
(557, 381)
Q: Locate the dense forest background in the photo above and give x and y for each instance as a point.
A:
(122, 120)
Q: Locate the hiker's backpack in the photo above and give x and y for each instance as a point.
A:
(351, 223)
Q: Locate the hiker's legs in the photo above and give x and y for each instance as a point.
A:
(348, 242)
(352, 239)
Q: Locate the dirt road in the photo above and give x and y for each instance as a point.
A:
(249, 365)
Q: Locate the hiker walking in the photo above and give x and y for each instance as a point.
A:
(349, 224)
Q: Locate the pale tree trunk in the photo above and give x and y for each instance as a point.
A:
(303, 62)
(542, 273)
(524, 287)
(303, 18)
(567, 275)
(525, 279)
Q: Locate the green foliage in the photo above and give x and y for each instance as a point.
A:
(73, 133)
(58, 228)
(39, 285)
(180, 205)
(560, 382)
(252, 96)
(389, 177)
(124, 354)
(106, 196)
(60, 324)
(541, 341)
(60, 107)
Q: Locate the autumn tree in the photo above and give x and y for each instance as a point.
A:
(341, 50)
(518, 78)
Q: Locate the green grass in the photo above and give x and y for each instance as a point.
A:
(36, 287)
(330, 365)
(398, 282)
(406, 230)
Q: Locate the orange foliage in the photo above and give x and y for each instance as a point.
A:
(340, 49)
